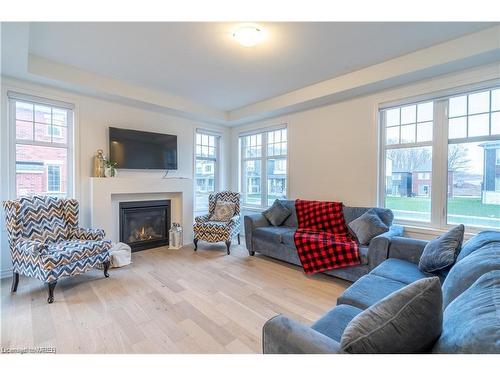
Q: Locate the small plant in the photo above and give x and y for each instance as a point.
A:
(111, 166)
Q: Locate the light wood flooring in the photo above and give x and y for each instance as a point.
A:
(167, 301)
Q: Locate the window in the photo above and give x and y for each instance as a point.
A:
(463, 186)
(264, 167)
(43, 149)
(53, 178)
(206, 156)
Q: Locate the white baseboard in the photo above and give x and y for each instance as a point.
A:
(6, 273)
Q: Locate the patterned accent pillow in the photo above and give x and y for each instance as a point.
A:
(223, 211)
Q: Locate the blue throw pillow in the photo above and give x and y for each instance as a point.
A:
(408, 320)
(367, 226)
(441, 252)
(277, 213)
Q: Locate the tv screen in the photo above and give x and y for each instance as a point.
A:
(133, 149)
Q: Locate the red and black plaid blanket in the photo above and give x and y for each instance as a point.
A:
(322, 238)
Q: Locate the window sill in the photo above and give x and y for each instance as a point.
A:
(428, 233)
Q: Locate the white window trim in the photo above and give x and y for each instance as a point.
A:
(12, 97)
(439, 144)
(263, 159)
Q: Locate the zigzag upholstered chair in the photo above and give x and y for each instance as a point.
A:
(46, 242)
(216, 231)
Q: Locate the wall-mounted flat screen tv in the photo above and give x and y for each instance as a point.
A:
(133, 149)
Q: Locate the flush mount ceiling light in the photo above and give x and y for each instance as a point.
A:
(248, 36)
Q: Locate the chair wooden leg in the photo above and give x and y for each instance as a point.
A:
(239, 242)
(51, 285)
(228, 245)
(195, 241)
(106, 268)
(15, 282)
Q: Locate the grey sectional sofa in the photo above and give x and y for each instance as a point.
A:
(278, 243)
(471, 295)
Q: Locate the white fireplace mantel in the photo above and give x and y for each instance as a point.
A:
(106, 193)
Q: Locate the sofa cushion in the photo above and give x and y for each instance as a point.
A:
(367, 226)
(400, 270)
(287, 238)
(464, 273)
(478, 241)
(277, 213)
(471, 322)
(441, 252)
(368, 290)
(271, 234)
(333, 323)
(407, 321)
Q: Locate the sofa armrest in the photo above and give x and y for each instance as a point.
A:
(87, 234)
(378, 249)
(409, 249)
(251, 222)
(282, 335)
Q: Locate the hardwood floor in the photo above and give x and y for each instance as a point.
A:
(167, 301)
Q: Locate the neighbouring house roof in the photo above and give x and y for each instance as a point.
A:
(490, 145)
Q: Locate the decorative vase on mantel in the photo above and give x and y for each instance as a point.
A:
(99, 164)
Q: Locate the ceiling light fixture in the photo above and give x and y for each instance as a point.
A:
(248, 36)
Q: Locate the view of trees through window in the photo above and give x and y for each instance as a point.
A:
(473, 169)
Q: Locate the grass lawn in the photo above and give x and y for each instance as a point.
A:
(456, 206)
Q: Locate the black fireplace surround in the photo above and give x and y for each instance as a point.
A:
(145, 224)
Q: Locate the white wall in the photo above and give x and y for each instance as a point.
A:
(333, 150)
(92, 118)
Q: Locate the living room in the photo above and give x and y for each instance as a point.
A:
(231, 186)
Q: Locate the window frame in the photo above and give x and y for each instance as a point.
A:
(439, 145)
(215, 159)
(14, 97)
(264, 158)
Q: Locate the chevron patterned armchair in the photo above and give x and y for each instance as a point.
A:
(217, 231)
(46, 242)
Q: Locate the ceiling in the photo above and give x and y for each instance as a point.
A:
(202, 63)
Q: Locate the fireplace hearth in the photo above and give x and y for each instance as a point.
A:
(144, 224)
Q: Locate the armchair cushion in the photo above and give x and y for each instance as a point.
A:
(69, 251)
(87, 234)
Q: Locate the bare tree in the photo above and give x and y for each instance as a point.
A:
(457, 158)
(410, 159)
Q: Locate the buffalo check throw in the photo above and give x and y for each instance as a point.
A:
(322, 238)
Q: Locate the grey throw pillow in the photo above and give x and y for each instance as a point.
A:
(441, 252)
(277, 213)
(367, 226)
(406, 321)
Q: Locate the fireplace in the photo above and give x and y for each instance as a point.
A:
(144, 224)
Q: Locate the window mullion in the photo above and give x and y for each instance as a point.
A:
(439, 180)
